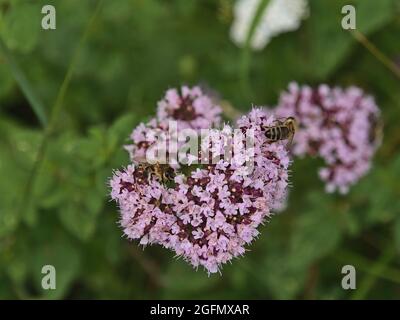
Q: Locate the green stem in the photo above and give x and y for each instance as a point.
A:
(56, 110)
(246, 54)
(379, 55)
(67, 79)
(24, 84)
(229, 111)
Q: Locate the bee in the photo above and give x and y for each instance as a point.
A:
(282, 130)
(162, 173)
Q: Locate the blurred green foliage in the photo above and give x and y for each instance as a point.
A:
(134, 51)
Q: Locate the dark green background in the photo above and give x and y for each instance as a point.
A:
(135, 50)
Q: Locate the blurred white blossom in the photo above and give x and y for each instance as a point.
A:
(278, 16)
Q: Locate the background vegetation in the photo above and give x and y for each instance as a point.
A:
(70, 97)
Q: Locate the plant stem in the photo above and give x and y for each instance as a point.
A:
(148, 266)
(55, 111)
(246, 54)
(24, 84)
(312, 282)
(229, 111)
(379, 55)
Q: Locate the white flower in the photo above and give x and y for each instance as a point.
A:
(278, 16)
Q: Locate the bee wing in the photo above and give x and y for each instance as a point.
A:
(280, 121)
(290, 140)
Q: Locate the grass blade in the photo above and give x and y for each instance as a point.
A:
(24, 84)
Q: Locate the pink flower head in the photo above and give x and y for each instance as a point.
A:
(190, 107)
(145, 136)
(143, 203)
(338, 125)
(153, 142)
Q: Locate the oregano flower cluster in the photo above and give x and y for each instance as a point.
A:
(211, 210)
(340, 125)
(214, 205)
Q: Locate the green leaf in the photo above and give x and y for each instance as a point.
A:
(122, 127)
(20, 26)
(6, 81)
(317, 231)
(50, 246)
(270, 270)
(379, 207)
(59, 252)
(78, 219)
(17, 149)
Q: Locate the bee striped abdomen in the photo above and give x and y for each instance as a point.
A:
(271, 133)
(277, 133)
(282, 131)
